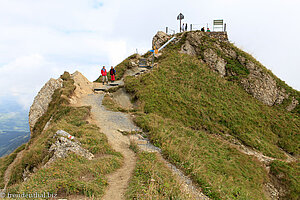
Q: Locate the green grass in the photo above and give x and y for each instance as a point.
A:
(221, 171)
(153, 180)
(288, 176)
(73, 175)
(203, 100)
(235, 70)
(66, 176)
(196, 103)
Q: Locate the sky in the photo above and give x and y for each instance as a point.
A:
(40, 39)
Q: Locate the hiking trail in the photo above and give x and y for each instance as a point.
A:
(109, 123)
(113, 124)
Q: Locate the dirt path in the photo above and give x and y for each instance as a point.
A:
(109, 123)
(112, 124)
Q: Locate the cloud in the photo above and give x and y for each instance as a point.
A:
(22, 77)
(41, 39)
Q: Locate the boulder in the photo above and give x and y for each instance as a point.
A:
(64, 145)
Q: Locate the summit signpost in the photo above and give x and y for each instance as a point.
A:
(180, 17)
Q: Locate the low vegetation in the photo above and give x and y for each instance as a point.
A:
(74, 174)
(185, 104)
(288, 176)
(153, 180)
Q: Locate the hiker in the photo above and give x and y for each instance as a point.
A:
(207, 30)
(112, 74)
(203, 29)
(185, 26)
(182, 27)
(104, 75)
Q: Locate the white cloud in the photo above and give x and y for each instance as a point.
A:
(41, 39)
(22, 77)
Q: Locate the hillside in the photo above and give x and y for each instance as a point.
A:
(199, 112)
(210, 123)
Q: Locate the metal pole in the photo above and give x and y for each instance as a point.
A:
(225, 27)
(180, 24)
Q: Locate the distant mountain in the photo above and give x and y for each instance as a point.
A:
(10, 140)
(14, 129)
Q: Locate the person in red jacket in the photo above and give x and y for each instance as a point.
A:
(112, 74)
(104, 75)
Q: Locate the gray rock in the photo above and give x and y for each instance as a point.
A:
(261, 85)
(187, 48)
(63, 146)
(42, 100)
(292, 105)
(217, 63)
(159, 39)
(65, 134)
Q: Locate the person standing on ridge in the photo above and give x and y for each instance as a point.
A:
(112, 73)
(104, 75)
(182, 27)
(203, 29)
(207, 30)
(185, 26)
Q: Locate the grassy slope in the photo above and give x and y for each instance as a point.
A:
(240, 71)
(152, 180)
(205, 103)
(75, 174)
(288, 175)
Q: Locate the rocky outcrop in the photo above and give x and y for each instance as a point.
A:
(262, 86)
(83, 87)
(187, 48)
(159, 39)
(215, 62)
(42, 100)
(64, 145)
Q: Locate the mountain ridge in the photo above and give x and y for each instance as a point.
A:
(214, 112)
